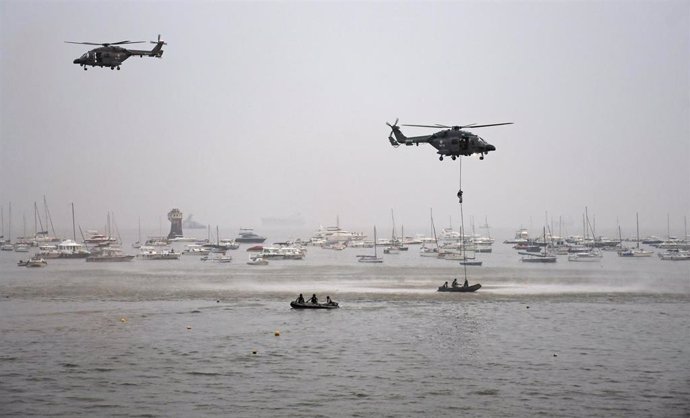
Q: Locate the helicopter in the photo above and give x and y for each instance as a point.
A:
(111, 55)
(452, 141)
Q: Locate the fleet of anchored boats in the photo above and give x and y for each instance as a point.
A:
(448, 245)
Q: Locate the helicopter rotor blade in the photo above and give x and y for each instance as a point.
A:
(106, 43)
(82, 43)
(127, 42)
(428, 126)
(470, 126)
(484, 126)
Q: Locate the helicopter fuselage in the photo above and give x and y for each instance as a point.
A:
(454, 143)
(448, 142)
(107, 56)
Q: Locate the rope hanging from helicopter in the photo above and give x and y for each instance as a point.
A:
(462, 220)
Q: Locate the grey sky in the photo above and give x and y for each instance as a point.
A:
(267, 109)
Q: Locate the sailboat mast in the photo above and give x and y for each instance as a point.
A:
(637, 222)
(375, 256)
(393, 233)
(74, 229)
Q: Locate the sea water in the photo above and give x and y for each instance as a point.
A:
(192, 338)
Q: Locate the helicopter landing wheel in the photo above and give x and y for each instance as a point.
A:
(481, 157)
(85, 68)
(453, 157)
(440, 158)
(112, 68)
(118, 68)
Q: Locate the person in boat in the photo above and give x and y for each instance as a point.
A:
(300, 298)
(314, 299)
(455, 283)
(465, 284)
(445, 285)
(328, 300)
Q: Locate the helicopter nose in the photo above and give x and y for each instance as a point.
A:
(76, 61)
(490, 147)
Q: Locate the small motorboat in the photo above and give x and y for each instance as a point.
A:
(35, 262)
(257, 261)
(472, 288)
(308, 305)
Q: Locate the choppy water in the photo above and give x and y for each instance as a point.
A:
(178, 338)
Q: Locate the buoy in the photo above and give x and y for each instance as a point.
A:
(277, 333)
(555, 355)
(254, 352)
(123, 320)
(189, 327)
(527, 306)
(217, 301)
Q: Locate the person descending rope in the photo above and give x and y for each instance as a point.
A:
(460, 195)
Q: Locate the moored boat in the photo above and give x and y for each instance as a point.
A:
(257, 261)
(247, 236)
(149, 253)
(109, 255)
(675, 255)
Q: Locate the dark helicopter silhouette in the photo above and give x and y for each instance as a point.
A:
(111, 55)
(450, 142)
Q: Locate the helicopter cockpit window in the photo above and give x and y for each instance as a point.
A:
(86, 55)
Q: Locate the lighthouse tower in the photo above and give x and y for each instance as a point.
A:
(175, 218)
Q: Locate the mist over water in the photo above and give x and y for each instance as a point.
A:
(186, 337)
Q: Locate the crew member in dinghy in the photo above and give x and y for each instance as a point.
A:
(300, 298)
(455, 283)
(314, 299)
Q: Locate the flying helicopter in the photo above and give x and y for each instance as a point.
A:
(111, 55)
(452, 141)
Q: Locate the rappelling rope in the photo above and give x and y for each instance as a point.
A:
(462, 220)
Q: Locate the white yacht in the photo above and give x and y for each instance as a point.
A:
(336, 234)
(149, 253)
(593, 254)
(72, 249)
(195, 249)
(675, 255)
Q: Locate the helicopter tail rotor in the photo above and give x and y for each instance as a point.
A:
(391, 137)
(157, 50)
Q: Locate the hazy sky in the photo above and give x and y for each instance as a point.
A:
(270, 109)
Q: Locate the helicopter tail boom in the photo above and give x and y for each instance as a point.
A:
(157, 50)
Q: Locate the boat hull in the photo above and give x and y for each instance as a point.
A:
(307, 305)
(110, 259)
(461, 289)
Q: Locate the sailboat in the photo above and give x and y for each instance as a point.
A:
(371, 258)
(425, 251)
(395, 244)
(593, 254)
(70, 248)
(7, 245)
(541, 257)
(637, 251)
